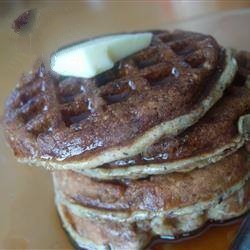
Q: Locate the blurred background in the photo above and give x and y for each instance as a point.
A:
(60, 22)
(137, 12)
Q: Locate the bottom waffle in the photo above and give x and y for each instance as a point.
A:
(174, 193)
(127, 214)
(96, 233)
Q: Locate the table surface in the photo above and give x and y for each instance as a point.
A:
(27, 213)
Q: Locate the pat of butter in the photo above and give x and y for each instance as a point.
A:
(95, 56)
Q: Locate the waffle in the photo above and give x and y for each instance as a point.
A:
(218, 134)
(76, 123)
(95, 233)
(91, 234)
(213, 137)
(156, 195)
(163, 123)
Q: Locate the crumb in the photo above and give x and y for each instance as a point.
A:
(22, 20)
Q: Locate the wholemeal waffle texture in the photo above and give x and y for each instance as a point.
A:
(80, 123)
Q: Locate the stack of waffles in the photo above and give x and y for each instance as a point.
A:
(156, 146)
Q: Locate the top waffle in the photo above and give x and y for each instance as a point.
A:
(222, 131)
(83, 123)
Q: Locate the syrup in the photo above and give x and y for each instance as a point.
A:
(217, 237)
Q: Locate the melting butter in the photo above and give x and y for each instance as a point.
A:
(95, 56)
